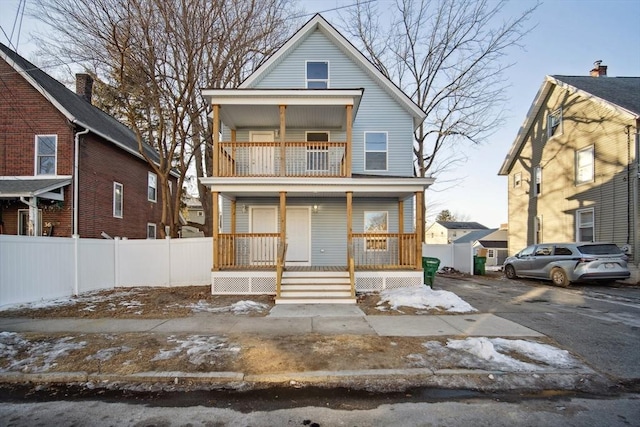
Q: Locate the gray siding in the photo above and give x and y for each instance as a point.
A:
(378, 110)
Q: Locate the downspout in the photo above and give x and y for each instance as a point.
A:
(76, 147)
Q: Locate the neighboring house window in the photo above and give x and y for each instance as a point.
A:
(317, 154)
(537, 181)
(117, 199)
(152, 187)
(537, 228)
(584, 165)
(317, 75)
(554, 123)
(375, 147)
(491, 253)
(517, 180)
(151, 231)
(585, 225)
(376, 222)
(199, 213)
(46, 150)
(26, 227)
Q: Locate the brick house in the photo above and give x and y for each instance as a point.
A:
(67, 167)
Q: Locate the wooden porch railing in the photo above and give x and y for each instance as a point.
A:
(352, 272)
(301, 159)
(282, 256)
(248, 250)
(384, 250)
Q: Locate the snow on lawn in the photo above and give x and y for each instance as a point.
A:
(423, 297)
(240, 307)
(40, 355)
(496, 351)
(200, 349)
(90, 298)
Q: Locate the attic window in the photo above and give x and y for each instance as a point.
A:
(554, 123)
(317, 75)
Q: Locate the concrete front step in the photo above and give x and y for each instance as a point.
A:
(316, 294)
(314, 300)
(315, 287)
(314, 280)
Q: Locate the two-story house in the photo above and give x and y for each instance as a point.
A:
(314, 170)
(67, 167)
(445, 232)
(573, 167)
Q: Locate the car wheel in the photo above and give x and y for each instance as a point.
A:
(510, 272)
(559, 277)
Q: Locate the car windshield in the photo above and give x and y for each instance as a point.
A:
(606, 249)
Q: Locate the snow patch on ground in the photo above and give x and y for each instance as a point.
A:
(198, 348)
(37, 356)
(423, 297)
(90, 298)
(240, 307)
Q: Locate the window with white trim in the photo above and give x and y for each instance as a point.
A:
(585, 225)
(151, 230)
(118, 197)
(585, 165)
(46, 151)
(152, 187)
(375, 151)
(317, 74)
(491, 253)
(554, 123)
(537, 181)
(376, 222)
(317, 154)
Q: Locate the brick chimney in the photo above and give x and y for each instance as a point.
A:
(599, 70)
(84, 86)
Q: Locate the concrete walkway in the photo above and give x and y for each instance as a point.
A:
(289, 320)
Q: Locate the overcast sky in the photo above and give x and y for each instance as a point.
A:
(569, 36)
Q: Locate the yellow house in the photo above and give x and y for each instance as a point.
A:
(573, 167)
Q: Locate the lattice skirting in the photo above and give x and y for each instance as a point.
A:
(375, 281)
(242, 282)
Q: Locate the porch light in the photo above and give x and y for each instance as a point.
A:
(244, 208)
(315, 208)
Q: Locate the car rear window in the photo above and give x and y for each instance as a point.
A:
(606, 249)
(561, 250)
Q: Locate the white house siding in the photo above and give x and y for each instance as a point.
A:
(377, 112)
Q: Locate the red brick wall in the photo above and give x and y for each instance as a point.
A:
(24, 113)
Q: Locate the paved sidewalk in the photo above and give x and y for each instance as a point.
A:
(290, 320)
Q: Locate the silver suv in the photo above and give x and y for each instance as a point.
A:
(563, 263)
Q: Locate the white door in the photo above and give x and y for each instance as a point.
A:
(264, 250)
(298, 236)
(263, 158)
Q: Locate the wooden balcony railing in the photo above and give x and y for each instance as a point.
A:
(298, 159)
(248, 250)
(384, 250)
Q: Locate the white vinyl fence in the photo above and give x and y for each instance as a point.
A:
(456, 255)
(39, 268)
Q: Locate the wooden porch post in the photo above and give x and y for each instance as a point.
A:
(232, 248)
(216, 140)
(348, 154)
(401, 232)
(349, 222)
(283, 150)
(233, 171)
(216, 230)
(419, 228)
(283, 216)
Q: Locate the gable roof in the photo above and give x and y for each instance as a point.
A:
(11, 187)
(621, 94)
(462, 225)
(74, 107)
(322, 25)
(474, 235)
(493, 244)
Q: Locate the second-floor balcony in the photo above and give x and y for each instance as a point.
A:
(289, 159)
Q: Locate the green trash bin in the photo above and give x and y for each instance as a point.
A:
(430, 266)
(479, 263)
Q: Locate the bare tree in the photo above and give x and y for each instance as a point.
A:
(150, 59)
(449, 57)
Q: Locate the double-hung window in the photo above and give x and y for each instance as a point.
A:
(584, 165)
(317, 75)
(152, 187)
(375, 147)
(537, 181)
(118, 197)
(46, 150)
(317, 152)
(585, 225)
(554, 123)
(151, 230)
(376, 223)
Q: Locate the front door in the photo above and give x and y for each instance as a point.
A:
(298, 236)
(263, 156)
(264, 249)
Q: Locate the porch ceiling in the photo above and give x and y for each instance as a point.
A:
(306, 109)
